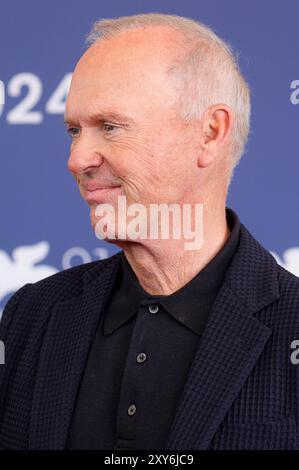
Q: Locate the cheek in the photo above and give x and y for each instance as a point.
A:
(134, 163)
(147, 167)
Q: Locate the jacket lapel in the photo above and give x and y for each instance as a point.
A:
(64, 352)
(231, 344)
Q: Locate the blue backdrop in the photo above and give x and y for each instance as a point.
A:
(44, 223)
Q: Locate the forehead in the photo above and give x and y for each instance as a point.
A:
(147, 48)
(128, 70)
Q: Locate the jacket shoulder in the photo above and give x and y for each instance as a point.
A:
(37, 297)
(288, 285)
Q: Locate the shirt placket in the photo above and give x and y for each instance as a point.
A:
(130, 409)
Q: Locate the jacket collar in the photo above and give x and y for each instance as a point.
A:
(232, 341)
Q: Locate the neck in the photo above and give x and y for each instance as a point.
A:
(164, 266)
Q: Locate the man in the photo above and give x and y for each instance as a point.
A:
(159, 346)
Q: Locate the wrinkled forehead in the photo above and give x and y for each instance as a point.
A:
(129, 70)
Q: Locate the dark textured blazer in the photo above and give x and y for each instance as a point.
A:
(242, 388)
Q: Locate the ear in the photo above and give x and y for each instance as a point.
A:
(217, 123)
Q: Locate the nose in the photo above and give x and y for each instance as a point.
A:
(84, 156)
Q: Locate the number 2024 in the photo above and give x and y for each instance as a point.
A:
(23, 112)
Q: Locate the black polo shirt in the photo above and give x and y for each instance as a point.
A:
(140, 357)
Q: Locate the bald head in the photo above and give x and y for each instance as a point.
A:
(134, 64)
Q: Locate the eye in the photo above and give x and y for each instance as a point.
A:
(109, 127)
(73, 132)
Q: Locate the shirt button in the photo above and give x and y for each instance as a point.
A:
(132, 409)
(153, 308)
(141, 357)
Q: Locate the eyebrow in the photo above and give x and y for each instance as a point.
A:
(100, 116)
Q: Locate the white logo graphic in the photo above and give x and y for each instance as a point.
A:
(290, 260)
(21, 267)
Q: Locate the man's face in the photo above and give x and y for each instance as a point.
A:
(126, 140)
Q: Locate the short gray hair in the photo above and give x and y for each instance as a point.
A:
(208, 59)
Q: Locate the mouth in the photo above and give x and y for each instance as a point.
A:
(94, 194)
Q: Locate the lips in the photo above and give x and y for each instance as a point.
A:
(90, 187)
(93, 193)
